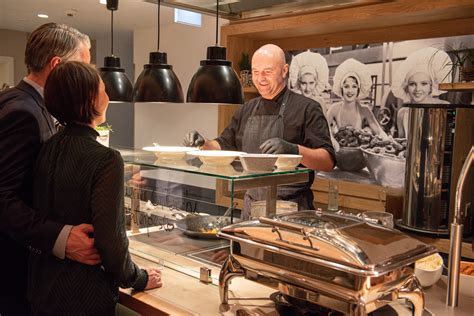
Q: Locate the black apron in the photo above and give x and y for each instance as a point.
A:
(258, 129)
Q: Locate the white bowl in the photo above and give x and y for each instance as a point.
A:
(288, 162)
(466, 282)
(258, 162)
(388, 171)
(428, 270)
(170, 152)
(216, 157)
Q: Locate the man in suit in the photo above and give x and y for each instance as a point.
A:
(25, 125)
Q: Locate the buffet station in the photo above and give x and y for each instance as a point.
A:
(278, 262)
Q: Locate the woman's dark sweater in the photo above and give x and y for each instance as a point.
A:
(77, 180)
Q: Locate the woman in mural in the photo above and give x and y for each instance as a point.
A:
(416, 81)
(309, 75)
(352, 83)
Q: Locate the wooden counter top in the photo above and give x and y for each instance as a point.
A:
(185, 295)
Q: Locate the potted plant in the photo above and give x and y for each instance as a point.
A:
(104, 133)
(462, 63)
(245, 66)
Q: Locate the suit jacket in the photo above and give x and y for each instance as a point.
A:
(24, 125)
(77, 180)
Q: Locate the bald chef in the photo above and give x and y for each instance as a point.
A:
(278, 122)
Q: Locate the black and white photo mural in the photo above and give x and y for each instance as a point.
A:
(362, 90)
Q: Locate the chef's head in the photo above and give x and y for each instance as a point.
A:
(52, 43)
(75, 93)
(269, 70)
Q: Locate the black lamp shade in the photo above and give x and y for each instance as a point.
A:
(117, 85)
(215, 81)
(158, 82)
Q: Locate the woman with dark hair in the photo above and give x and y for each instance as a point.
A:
(352, 83)
(78, 180)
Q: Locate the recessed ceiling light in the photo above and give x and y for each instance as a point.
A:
(103, 1)
(43, 16)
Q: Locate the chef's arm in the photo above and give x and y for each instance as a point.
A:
(317, 159)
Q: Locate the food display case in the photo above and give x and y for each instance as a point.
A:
(172, 216)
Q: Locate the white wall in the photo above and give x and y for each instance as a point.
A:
(168, 123)
(119, 115)
(186, 46)
(12, 44)
(6, 71)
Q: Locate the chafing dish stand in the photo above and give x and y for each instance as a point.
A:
(333, 260)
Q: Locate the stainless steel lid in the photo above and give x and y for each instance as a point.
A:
(348, 241)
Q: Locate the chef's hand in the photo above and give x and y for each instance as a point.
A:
(154, 279)
(193, 139)
(278, 146)
(79, 247)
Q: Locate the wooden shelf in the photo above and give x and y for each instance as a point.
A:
(461, 86)
(250, 90)
(443, 244)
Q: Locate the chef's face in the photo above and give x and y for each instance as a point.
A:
(268, 74)
(307, 84)
(102, 103)
(350, 89)
(419, 87)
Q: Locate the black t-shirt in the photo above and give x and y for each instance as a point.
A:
(303, 119)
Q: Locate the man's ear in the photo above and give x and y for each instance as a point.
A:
(285, 71)
(54, 62)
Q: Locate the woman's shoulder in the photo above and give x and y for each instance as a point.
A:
(364, 108)
(103, 153)
(439, 101)
(334, 108)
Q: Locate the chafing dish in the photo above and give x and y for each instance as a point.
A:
(334, 260)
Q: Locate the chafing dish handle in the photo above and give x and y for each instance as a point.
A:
(293, 227)
(289, 226)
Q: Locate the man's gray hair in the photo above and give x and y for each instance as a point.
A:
(50, 40)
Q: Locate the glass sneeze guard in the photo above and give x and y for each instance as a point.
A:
(229, 172)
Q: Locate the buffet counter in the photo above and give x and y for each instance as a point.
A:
(185, 295)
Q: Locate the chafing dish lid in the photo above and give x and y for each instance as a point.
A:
(347, 240)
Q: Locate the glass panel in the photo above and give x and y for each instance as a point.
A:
(233, 171)
(171, 209)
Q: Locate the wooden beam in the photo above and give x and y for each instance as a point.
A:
(387, 14)
(379, 35)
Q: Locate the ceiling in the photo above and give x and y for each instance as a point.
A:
(92, 18)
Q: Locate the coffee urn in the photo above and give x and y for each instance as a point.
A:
(430, 148)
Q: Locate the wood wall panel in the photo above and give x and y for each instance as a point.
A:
(379, 35)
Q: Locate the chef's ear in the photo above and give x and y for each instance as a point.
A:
(285, 71)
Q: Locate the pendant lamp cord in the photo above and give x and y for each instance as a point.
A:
(112, 32)
(158, 39)
(217, 23)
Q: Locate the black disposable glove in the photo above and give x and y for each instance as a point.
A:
(193, 139)
(278, 146)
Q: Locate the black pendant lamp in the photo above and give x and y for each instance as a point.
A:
(215, 81)
(158, 82)
(117, 85)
